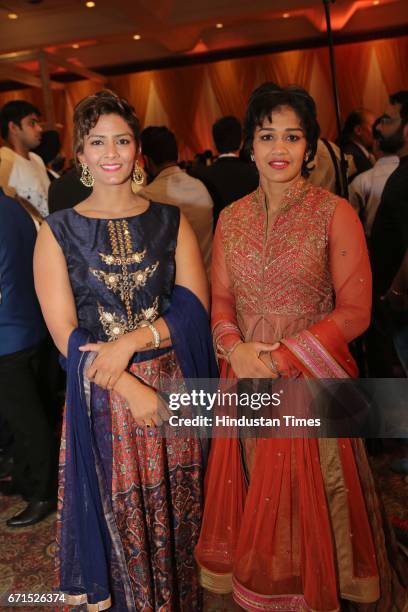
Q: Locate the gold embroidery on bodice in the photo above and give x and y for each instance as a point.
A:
(285, 270)
(125, 282)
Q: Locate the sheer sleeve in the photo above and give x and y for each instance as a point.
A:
(223, 314)
(350, 271)
(351, 276)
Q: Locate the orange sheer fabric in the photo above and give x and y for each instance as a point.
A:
(352, 284)
(290, 540)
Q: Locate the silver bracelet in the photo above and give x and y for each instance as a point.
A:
(155, 332)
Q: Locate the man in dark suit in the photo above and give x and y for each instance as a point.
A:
(357, 139)
(229, 178)
(67, 191)
(389, 241)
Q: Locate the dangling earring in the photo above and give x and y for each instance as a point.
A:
(252, 157)
(138, 177)
(86, 178)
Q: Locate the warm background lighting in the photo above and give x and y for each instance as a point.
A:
(12, 16)
(219, 26)
(90, 4)
(137, 37)
(75, 46)
(286, 15)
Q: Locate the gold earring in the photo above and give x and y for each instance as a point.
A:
(138, 177)
(86, 178)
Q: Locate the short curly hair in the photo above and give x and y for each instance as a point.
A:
(88, 111)
(269, 97)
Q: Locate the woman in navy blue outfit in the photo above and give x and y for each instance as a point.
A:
(121, 281)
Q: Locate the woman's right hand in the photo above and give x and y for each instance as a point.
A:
(143, 403)
(246, 363)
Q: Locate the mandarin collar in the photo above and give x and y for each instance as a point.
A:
(293, 195)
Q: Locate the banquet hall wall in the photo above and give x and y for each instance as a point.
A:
(190, 99)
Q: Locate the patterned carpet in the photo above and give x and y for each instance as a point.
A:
(26, 555)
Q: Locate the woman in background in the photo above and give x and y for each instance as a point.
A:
(291, 524)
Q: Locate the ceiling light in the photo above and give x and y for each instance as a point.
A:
(136, 37)
(375, 2)
(90, 4)
(286, 15)
(75, 46)
(12, 16)
(219, 26)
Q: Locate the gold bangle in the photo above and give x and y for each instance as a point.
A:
(274, 367)
(228, 353)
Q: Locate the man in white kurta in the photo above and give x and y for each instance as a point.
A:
(22, 170)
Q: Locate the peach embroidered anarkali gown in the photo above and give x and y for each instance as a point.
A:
(294, 524)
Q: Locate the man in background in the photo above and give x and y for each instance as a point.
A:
(229, 178)
(22, 169)
(357, 139)
(171, 185)
(366, 189)
(22, 396)
(389, 241)
(67, 191)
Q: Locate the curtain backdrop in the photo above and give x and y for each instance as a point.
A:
(192, 98)
(392, 57)
(232, 82)
(179, 90)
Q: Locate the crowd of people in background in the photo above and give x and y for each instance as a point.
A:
(35, 181)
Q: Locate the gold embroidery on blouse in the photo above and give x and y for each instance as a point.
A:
(115, 326)
(125, 285)
(111, 260)
(285, 272)
(125, 282)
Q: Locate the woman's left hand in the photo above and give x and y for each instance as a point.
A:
(111, 361)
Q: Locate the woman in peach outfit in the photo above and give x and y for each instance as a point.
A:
(291, 524)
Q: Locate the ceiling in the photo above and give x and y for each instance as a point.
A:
(101, 38)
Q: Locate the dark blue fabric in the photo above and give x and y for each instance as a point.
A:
(85, 553)
(191, 335)
(192, 341)
(85, 543)
(21, 322)
(84, 240)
